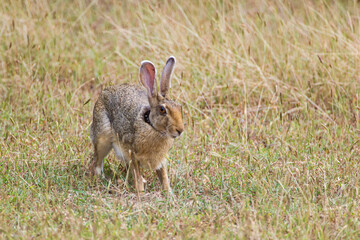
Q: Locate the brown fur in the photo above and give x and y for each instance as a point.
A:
(118, 123)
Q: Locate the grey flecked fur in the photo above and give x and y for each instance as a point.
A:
(118, 122)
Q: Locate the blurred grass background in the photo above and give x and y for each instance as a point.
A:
(271, 96)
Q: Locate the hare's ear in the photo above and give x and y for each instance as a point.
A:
(147, 74)
(165, 80)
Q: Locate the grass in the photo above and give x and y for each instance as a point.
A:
(271, 98)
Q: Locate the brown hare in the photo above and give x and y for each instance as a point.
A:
(140, 125)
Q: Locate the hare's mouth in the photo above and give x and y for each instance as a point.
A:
(175, 135)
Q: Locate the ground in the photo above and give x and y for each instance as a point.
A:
(271, 99)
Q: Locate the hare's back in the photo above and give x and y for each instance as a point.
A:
(125, 97)
(123, 104)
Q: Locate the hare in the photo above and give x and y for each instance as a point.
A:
(140, 125)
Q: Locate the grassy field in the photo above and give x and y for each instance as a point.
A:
(271, 98)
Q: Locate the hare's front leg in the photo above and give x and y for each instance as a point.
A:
(136, 175)
(163, 177)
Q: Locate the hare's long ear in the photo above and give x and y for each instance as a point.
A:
(165, 80)
(147, 74)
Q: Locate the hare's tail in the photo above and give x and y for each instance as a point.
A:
(91, 132)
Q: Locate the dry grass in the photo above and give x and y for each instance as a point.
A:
(272, 109)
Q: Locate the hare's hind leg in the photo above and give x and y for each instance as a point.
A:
(102, 137)
(102, 147)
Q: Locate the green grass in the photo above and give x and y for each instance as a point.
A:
(271, 100)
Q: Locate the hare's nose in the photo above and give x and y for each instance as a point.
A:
(179, 131)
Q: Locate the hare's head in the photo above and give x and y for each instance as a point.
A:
(165, 115)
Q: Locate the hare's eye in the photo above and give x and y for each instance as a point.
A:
(162, 110)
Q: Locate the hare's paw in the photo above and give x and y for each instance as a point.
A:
(99, 172)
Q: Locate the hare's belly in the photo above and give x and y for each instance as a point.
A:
(148, 159)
